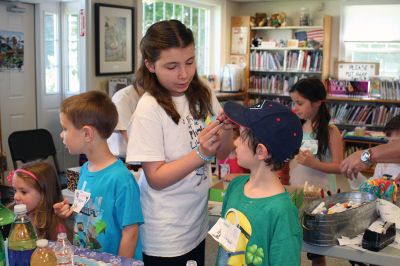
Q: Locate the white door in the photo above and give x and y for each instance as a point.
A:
(18, 88)
(54, 39)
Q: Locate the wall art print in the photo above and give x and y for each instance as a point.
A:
(114, 39)
(11, 50)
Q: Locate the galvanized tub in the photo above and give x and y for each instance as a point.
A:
(324, 230)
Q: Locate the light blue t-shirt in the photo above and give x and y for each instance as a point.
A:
(114, 203)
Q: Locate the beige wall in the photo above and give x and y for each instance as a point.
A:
(292, 10)
(100, 82)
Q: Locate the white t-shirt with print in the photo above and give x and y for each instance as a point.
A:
(125, 100)
(175, 217)
(381, 169)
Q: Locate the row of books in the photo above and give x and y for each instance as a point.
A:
(307, 61)
(385, 88)
(274, 83)
(283, 101)
(362, 114)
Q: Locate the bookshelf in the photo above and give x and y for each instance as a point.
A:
(275, 65)
(347, 112)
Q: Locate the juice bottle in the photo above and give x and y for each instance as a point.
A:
(22, 238)
(43, 255)
(2, 253)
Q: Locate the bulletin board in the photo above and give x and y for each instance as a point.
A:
(356, 71)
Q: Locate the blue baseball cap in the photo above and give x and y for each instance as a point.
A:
(274, 125)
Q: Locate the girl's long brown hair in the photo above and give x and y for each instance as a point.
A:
(161, 36)
(43, 216)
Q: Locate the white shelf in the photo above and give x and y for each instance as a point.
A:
(289, 28)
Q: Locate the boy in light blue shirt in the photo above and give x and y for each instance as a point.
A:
(110, 218)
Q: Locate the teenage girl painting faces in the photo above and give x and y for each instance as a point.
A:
(36, 185)
(170, 138)
(322, 149)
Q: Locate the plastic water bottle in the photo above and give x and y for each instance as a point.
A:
(43, 255)
(2, 253)
(22, 238)
(64, 251)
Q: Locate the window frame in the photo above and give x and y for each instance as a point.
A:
(216, 16)
(56, 43)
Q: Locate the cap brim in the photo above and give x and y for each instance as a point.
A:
(237, 113)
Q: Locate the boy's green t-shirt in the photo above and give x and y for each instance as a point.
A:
(270, 229)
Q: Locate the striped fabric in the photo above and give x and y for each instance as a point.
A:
(316, 35)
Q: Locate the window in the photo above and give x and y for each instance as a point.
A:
(380, 42)
(196, 17)
(51, 53)
(61, 50)
(72, 51)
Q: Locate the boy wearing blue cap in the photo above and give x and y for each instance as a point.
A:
(258, 206)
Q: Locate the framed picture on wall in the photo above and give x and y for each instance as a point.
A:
(113, 39)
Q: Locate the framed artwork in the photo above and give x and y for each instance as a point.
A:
(113, 39)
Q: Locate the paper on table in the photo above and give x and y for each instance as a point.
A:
(388, 211)
(346, 241)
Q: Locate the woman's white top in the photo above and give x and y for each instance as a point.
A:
(125, 100)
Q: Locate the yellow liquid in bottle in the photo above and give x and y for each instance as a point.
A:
(43, 256)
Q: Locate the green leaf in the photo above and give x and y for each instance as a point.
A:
(252, 248)
(249, 257)
(260, 252)
(257, 261)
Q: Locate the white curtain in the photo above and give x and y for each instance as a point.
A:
(369, 23)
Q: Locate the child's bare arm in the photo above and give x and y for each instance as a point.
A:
(62, 209)
(129, 239)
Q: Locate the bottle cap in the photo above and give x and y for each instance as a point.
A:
(41, 243)
(191, 263)
(20, 208)
(62, 236)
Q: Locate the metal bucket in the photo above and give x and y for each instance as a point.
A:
(324, 230)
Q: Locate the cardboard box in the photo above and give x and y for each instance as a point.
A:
(217, 191)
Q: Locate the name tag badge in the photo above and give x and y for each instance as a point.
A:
(80, 199)
(226, 234)
(310, 145)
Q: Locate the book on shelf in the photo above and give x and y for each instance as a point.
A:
(355, 113)
(347, 88)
